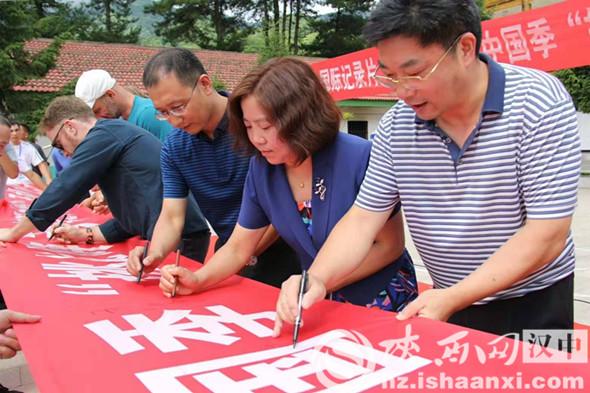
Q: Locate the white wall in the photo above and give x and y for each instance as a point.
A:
(584, 122)
(371, 115)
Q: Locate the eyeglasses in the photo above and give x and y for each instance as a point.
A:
(413, 82)
(178, 110)
(55, 143)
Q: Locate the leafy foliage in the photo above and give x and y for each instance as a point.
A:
(340, 32)
(577, 82)
(31, 105)
(18, 65)
(115, 23)
(208, 24)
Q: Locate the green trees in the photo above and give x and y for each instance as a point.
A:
(577, 82)
(93, 20)
(271, 28)
(217, 24)
(17, 21)
(339, 32)
(111, 22)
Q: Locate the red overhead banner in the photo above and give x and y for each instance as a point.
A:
(548, 38)
(102, 332)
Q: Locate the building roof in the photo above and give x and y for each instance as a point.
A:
(125, 63)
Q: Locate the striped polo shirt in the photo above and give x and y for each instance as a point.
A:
(211, 170)
(461, 204)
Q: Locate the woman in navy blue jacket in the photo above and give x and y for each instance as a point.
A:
(303, 177)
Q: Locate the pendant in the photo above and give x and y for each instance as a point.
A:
(320, 188)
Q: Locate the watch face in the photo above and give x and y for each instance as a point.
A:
(253, 260)
(89, 236)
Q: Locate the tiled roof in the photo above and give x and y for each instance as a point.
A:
(125, 63)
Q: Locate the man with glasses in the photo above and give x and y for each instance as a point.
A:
(485, 159)
(123, 160)
(198, 157)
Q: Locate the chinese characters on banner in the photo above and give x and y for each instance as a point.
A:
(101, 331)
(548, 38)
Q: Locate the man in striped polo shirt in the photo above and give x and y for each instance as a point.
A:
(198, 156)
(485, 159)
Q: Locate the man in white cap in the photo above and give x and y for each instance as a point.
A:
(109, 100)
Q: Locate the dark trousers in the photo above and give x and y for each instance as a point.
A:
(275, 265)
(196, 245)
(548, 308)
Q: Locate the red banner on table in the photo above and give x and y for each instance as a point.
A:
(101, 331)
(548, 38)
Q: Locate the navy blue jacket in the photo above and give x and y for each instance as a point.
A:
(124, 160)
(268, 199)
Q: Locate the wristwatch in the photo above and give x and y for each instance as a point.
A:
(89, 236)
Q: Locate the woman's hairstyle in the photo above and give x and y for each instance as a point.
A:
(296, 103)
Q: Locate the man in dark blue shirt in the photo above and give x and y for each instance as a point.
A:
(124, 161)
(198, 156)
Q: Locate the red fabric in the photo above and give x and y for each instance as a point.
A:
(65, 356)
(547, 38)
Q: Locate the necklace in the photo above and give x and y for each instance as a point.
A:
(301, 185)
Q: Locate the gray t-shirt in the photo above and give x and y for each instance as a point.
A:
(10, 151)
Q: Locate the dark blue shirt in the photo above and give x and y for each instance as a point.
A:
(211, 170)
(123, 160)
(60, 161)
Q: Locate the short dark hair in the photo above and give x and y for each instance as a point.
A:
(4, 121)
(180, 62)
(63, 108)
(431, 22)
(26, 127)
(296, 102)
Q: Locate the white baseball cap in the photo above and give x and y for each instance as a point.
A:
(92, 85)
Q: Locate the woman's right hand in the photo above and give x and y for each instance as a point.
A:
(287, 303)
(185, 280)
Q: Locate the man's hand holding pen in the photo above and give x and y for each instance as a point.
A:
(139, 256)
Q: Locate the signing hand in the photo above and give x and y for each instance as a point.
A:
(68, 234)
(287, 302)
(151, 261)
(187, 282)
